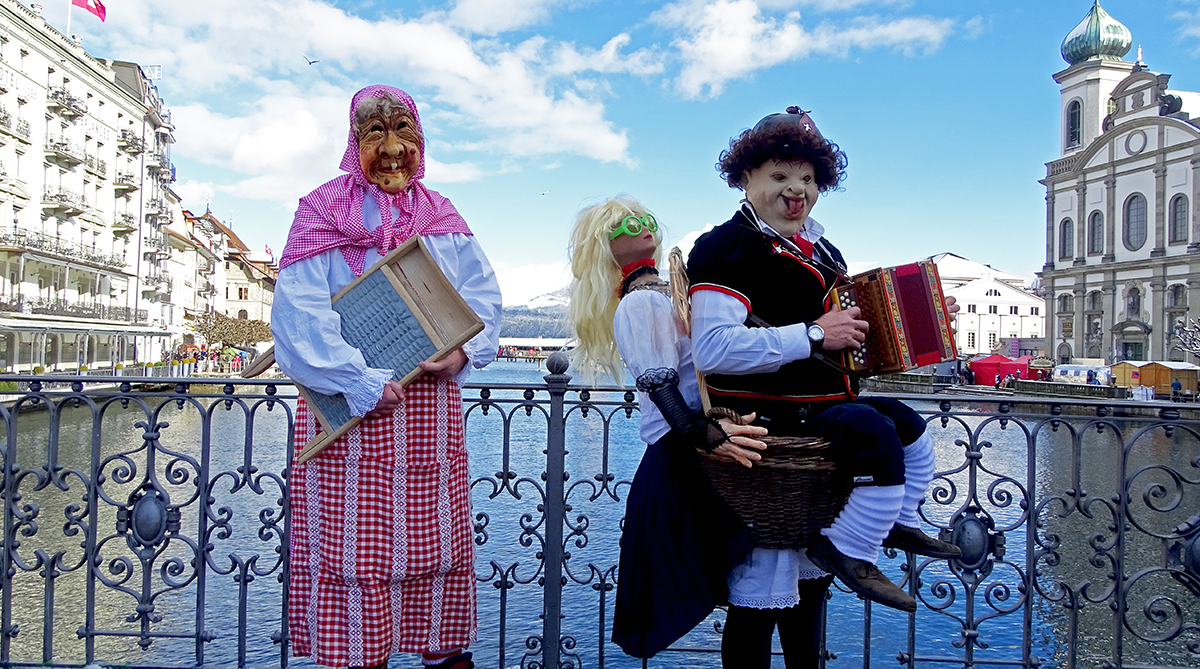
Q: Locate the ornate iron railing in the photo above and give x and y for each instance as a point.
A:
(38, 241)
(148, 527)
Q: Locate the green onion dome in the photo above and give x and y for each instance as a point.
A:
(1097, 36)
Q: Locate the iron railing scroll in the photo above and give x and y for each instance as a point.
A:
(146, 525)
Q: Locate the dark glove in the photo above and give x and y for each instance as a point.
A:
(663, 388)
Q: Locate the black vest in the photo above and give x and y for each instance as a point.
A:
(782, 288)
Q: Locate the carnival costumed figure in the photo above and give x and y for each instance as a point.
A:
(382, 559)
(680, 538)
(760, 315)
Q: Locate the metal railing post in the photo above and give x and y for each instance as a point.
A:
(556, 381)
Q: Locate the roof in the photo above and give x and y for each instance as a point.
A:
(953, 268)
(235, 242)
(1182, 366)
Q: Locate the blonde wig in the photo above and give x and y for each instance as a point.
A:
(594, 295)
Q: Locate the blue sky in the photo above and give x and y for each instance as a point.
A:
(536, 108)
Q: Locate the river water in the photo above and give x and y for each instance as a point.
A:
(988, 604)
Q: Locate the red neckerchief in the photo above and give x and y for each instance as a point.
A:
(805, 246)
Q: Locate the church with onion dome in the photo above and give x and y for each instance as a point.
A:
(1122, 228)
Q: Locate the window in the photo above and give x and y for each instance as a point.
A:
(1033, 311)
(992, 292)
(1066, 239)
(970, 308)
(1074, 124)
(993, 309)
(1179, 222)
(1066, 303)
(1096, 232)
(991, 340)
(243, 314)
(1135, 222)
(1095, 301)
(970, 340)
(1175, 296)
(1012, 310)
(243, 293)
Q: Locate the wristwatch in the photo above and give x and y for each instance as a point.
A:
(816, 336)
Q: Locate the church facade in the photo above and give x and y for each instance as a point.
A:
(1122, 230)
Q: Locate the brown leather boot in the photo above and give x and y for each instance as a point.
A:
(917, 542)
(860, 576)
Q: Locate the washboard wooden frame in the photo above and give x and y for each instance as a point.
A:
(428, 321)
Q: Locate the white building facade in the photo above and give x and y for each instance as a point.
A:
(84, 204)
(1122, 232)
(995, 306)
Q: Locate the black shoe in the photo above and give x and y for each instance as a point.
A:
(917, 542)
(860, 576)
(460, 661)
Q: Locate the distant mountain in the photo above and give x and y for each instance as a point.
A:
(543, 316)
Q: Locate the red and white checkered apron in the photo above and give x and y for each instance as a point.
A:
(382, 558)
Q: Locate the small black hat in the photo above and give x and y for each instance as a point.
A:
(793, 115)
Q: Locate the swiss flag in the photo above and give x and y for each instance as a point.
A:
(94, 6)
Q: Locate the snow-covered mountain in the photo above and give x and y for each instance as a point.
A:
(543, 316)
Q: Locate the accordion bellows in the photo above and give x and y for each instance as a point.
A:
(910, 326)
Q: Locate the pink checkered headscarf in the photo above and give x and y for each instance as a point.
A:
(331, 216)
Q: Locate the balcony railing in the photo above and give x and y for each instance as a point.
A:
(75, 309)
(58, 96)
(157, 283)
(158, 242)
(5, 119)
(124, 219)
(64, 148)
(1078, 522)
(23, 129)
(125, 181)
(132, 142)
(63, 198)
(1061, 166)
(36, 241)
(95, 165)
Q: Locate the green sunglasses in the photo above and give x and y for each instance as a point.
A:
(632, 226)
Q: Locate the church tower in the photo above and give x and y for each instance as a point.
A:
(1122, 223)
(1094, 50)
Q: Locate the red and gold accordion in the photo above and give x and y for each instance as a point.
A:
(910, 326)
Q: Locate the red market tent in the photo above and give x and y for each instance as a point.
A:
(987, 368)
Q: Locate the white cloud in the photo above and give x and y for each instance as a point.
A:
(974, 27)
(245, 99)
(724, 40)
(521, 283)
(830, 5)
(436, 172)
(195, 193)
(1189, 28)
(491, 17)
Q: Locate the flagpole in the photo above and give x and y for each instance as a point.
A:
(69, 4)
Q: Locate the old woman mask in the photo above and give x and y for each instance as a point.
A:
(389, 142)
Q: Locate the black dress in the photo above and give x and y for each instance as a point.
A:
(680, 538)
(679, 543)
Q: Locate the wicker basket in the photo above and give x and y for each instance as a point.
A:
(788, 496)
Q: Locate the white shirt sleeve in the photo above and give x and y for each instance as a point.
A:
(462, 260)
(646, 334)
(722, 344)
(309, 347)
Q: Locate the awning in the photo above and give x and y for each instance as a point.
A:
(68, 327)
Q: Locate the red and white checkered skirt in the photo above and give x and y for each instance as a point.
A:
(382, 559)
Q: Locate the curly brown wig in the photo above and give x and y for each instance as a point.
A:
(787, 143)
